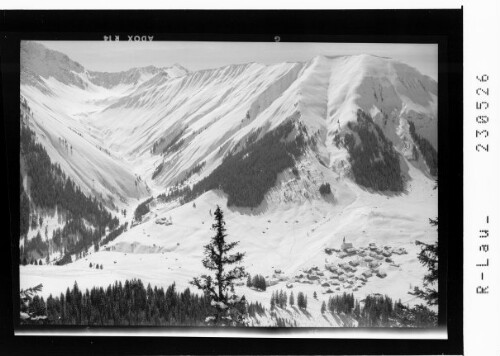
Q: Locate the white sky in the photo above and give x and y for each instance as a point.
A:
(122, 55)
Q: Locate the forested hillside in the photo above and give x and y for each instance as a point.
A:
(428, 152)
(133, 303)
(374, 162)
(128, 303)
(247, 175)
(47, 189)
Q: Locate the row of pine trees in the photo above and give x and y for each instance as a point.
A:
(130, 303)
(279, 299)
(379, 311)
(258, 281)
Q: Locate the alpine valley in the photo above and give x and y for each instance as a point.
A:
(325, 171)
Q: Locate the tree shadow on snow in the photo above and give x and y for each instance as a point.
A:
(306, 313)
(324, 317)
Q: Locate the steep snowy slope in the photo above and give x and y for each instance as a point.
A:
(150, 117)
(61, 93)
(96, 170)
(208, 109)
(206, 114)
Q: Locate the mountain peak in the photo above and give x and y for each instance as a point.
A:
(39, 61)
(178, 66)
(175, 70)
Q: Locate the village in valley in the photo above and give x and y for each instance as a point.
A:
(346, 268)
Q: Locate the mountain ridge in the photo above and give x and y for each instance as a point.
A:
(37, 59)
(215, 110)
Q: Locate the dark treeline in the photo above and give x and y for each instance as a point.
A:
(279, 299)
(381, 311)
(64, 260)
(428, 152)
(175, 144)
(246, 176)
(49, 189)
(73, 238)
(128, 303)
(377, 311)
(132, 303)
(114, 234)
(374, 162)
(174, 193)
(37, 247)
(142, 209)
(325, 189)
(157, 170)
(49, 186)
(341, 304)
(253, 136)
(419, 316)
(79, 237)
(256, 281)
(302, 300)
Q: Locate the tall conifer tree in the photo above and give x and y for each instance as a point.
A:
(228, 308)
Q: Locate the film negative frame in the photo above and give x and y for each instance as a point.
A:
(443, 27)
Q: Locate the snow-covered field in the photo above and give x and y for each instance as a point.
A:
(111, 132)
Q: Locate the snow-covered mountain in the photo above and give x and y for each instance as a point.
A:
(141, 132)
(38, 61)
(136, 113)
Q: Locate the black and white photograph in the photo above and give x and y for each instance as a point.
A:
(240, 181)
(249, 184)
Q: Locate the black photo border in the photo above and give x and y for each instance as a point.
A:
(444, 27)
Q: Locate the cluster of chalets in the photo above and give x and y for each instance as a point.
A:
(349, 270)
